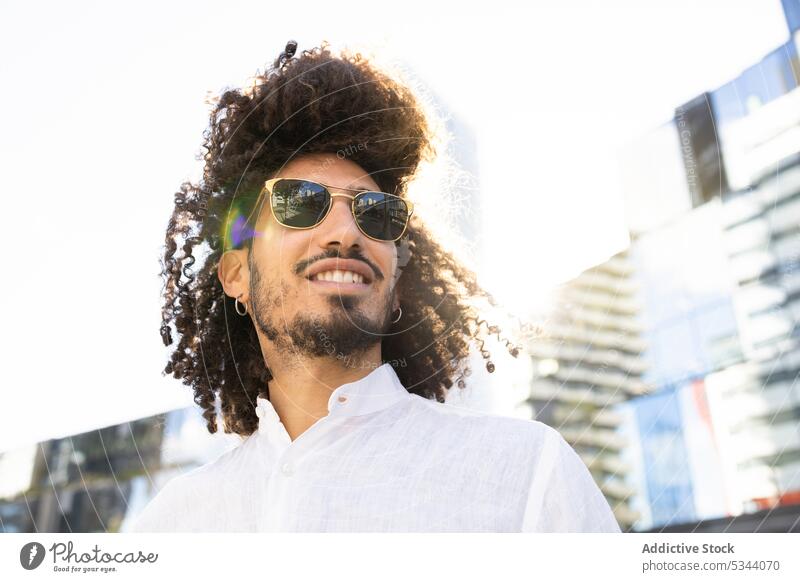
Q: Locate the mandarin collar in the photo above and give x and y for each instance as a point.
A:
(377, 390)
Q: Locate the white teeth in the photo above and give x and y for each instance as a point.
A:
(339, 277)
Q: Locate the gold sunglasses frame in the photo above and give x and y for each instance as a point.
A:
(271, 182)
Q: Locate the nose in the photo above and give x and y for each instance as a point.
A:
(339, 227)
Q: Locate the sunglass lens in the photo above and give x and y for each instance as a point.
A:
(380, 216)
(299, 203)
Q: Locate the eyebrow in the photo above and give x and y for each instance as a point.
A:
(362, 187)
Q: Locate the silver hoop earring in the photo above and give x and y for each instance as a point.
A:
(399, 315)
(236, 305)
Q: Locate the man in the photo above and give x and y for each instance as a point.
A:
(331, 325)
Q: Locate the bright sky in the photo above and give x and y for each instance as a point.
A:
(104, 110)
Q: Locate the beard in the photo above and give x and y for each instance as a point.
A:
(344, 332)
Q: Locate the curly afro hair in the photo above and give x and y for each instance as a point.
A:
(316, 102)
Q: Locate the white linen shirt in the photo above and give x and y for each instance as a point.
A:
(387, 460)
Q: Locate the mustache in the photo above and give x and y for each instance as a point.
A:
(355, 255)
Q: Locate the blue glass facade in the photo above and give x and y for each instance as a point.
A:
(775, 75)
(791, 8)
(666, 466)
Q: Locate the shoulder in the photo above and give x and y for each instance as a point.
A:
(519, 437)
(165, 510)
(175, 506)
(451, 412)
(563, 494)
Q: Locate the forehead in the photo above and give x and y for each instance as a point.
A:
(330, 169)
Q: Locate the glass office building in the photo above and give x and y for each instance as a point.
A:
(99, 480)
(720, 277)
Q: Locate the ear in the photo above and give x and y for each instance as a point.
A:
(234, 274)
(396, 302)
(403, 254)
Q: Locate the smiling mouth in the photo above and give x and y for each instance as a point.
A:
(342, 285)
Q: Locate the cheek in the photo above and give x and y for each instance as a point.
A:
(281, 241)
(279, 252)
(386, 259)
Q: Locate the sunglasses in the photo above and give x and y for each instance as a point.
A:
(302, 204)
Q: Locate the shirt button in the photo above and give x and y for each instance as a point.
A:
(287, 469)
(342, 398)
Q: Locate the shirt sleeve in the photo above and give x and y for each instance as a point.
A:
(563, 496)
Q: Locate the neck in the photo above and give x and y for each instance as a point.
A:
(301, 387)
